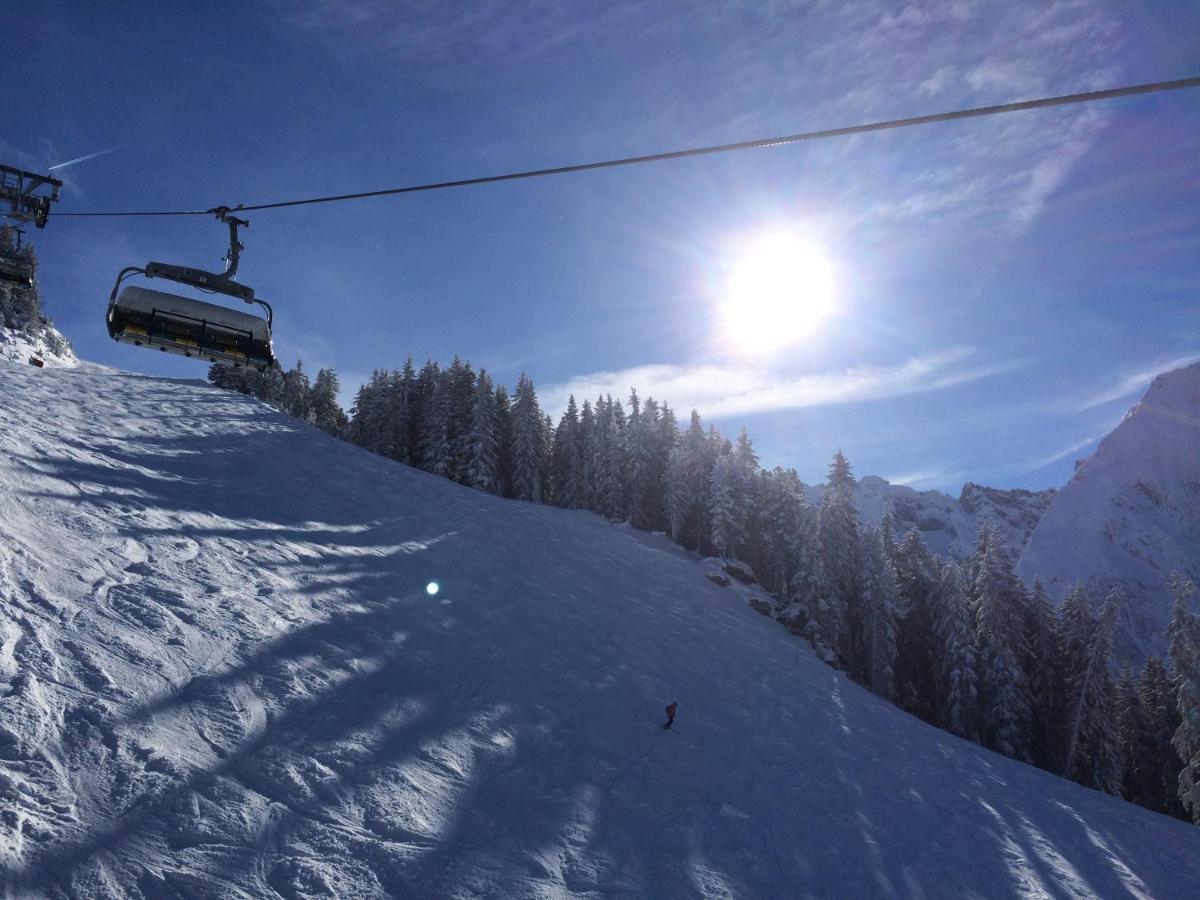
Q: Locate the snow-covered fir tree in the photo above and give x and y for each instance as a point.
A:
(1183, 636)
(529, 438)
(840, 618)
(954, 627)
(1091, 755)
(1161, 764)
(688, 471)
(566, 460)
(503, 408)
(1043, 674)
(324, 411)
(881, 614)
(607, 460)
(1132, 739)
(436, 452)
(295, 399)
(916, 661)
(1000, 633)
(482, 463)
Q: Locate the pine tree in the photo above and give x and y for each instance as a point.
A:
(916, 667)
(481, 465)
(528, 442)
(503, 442)
(1161, 765)
(781, 530)
(398, 426)
(881, 615)
(460, 387)
(436, 451)
(1004, 706)
(295, 399)
(640, 463)
(1075, 625)
(1133, 741)
(841, 561)
(688, 471)
(725, 507)
(1091, 739)
(566, 463)
(1183, 636)
(608, 488)
(324, 411)
(1043, 674)
(958, 707)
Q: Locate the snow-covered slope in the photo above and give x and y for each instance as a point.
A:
(950, 526)
(1131, 514)
(221, 675)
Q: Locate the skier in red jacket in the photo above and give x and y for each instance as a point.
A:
(670, 714)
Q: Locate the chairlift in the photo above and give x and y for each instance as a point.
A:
(28, 197)
(192, 327)
(13, 266)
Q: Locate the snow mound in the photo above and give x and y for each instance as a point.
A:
(1131, 514)
(221, 674)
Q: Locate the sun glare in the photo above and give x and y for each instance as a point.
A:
(778, 292)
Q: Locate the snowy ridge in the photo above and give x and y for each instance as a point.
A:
(949, 526)
(1131, 513)
(221, 674)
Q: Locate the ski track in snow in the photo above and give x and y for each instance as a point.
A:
(221, 675)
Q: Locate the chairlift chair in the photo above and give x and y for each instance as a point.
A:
(13, 266)
(16, 270)
(27, 197)
(192, 327)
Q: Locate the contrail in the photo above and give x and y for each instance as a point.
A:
(71, 162)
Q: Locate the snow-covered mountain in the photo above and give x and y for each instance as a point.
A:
(949, 526)
(1131, 513)
(222, 674)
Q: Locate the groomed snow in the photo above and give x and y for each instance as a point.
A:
(222, 676)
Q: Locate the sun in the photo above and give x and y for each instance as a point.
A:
(777, 293)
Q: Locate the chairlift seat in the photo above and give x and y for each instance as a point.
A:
(190, 327)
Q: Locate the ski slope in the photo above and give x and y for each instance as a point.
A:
(222, 675)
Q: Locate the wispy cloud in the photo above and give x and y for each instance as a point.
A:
(1036, 464)
(1131, 383)
(79, 159)
(925, 478)
(726, 389)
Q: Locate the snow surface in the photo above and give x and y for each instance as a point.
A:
(221, 676)
(1131, 514)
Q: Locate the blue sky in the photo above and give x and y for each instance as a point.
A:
(1004, 287)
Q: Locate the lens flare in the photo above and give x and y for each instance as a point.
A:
(432, 588)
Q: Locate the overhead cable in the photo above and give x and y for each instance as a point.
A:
(887, 125)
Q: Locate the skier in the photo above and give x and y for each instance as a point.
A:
(670, 714)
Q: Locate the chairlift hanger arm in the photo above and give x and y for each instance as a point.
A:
(235, 246)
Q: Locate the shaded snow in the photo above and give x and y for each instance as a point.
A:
(221, 675)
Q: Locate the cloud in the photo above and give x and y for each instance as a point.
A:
(1131, 383)
(79, 159)
(725, 389)
(1061, 454)
(926, 478)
